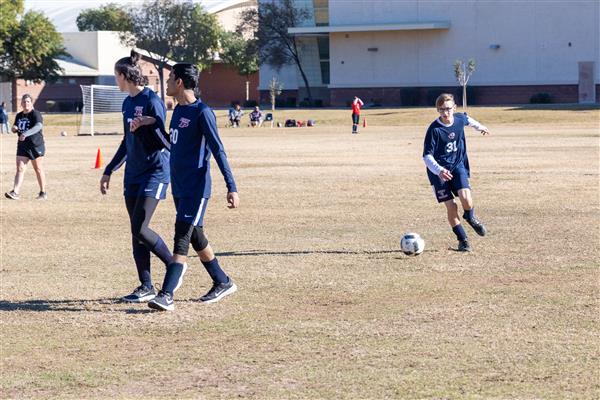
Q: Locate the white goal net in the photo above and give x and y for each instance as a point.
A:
(101, 113)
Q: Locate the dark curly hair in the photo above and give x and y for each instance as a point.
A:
(130, 69)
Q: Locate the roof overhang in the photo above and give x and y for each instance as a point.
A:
(404, 26)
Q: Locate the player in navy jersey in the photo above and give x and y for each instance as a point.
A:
(194, 137)
(28, 125)
(445, 155)
(145, 152)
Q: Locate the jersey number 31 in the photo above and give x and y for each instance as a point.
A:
(450, 147)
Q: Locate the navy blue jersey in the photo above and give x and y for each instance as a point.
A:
(146, 150)
(194, 137)
(447, 144)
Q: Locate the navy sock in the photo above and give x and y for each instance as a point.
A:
(161, 250)
(459, 231)
(214, 270)
(174, 271)
(469, 214)
(141, 256)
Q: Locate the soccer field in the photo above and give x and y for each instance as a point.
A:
(328, 307)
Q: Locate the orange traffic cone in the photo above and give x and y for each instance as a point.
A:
(364, 123)
(98, 159)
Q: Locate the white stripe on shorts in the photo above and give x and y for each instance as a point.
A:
(159, 191)
(199, 212)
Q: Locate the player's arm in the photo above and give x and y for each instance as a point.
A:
(157, 114)
(114, 164)
(208, 125)
(430, 161)
(477, 125)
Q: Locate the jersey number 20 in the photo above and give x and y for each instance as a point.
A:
(174, 133)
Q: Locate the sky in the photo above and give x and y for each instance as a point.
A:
(63, 13)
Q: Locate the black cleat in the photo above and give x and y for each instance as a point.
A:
(141, 294)
(477, 226)
(463, 245)
(42, 196)
(218, 291)
(12, 195)
(162, 302)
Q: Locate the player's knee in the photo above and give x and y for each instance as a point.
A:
(183, 235)
(199, 240)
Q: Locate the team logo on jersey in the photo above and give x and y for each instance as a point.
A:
(451, 135)
(184, 123)
(138, 111)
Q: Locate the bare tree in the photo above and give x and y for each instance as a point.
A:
(463, 72)
(275, 88)
(269, 24)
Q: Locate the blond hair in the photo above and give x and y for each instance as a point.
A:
(442, 98)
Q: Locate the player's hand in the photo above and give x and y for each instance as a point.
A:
(141, 121)
(15, 129)
(233, 200)
(484, 131)
(21, 137)
(104, 183)
(445, 175)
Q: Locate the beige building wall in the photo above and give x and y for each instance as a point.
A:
(540, 42)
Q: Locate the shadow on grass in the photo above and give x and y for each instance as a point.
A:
(96, 305)
(301, 252)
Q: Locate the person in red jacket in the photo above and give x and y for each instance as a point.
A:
(356, 105)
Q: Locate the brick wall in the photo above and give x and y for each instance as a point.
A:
(476, 95)
(221, 84)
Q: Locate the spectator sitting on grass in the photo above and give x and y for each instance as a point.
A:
(235, 115)
(256, 117)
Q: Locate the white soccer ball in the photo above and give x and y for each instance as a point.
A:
(412, 244)
(63, 133)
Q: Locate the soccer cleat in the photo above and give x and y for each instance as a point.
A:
(180, 281)
(42, 196)
(218, 291)
(463, 245)
(141, 294)
(477, 226)
(162, 302)
(12, 195)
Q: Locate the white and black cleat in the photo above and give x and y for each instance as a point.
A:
(218, 291)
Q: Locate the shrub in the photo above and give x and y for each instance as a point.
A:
(409, 97)
(250, 103)
(540, 98)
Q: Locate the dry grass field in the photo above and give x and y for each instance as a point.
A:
(327, 307)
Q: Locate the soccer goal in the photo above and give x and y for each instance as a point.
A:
(101, 113)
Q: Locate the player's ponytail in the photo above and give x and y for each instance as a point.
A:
(130, 69)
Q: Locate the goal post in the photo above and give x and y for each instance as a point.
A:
(101, 112)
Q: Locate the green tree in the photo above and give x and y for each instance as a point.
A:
(171, 29)
(110, 17)
(241, 54)
(269, 24)
(9, 9)
(30, 46)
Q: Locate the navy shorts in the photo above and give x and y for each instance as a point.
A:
(355, 118)
(191, 210)
(157, 190)
(447, 190)
(30, 151)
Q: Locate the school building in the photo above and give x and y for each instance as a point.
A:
(93, 55)
(402, 52)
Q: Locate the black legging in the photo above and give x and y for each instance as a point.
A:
(140, 211)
